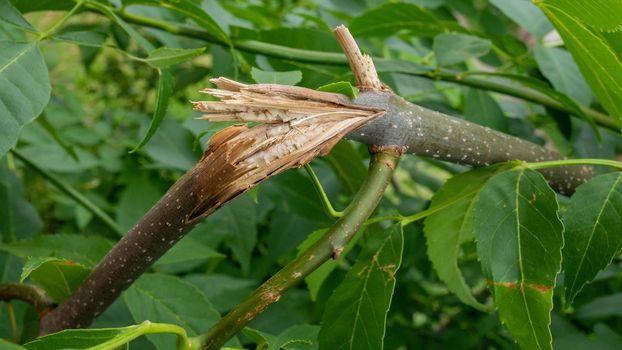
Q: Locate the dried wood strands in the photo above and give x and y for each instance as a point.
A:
(298, 124)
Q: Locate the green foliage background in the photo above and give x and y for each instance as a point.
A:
(118, 127)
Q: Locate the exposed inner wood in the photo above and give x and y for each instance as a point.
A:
(298, 124)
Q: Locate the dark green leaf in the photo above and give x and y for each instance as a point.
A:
(172, 146)
(388, 19)
(222, 290)
(447, 229)
(559, 68)
(188, 249)
(341, 87)
(11, 15)
(482, 109)
(140, 194)
(164, 56)
(300, 336)
(84, 38)
(24, 89)
(348, 165)
(165, 86)
(525, 13)
(58, 277)
(284, 78)
(40, 5)
(607, 306)
(592, 234)
(168, 299)
(355, 316)
(86, 250)
(18, 218)
(519, 240)
(452, 48)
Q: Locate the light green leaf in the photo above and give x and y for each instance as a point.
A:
(90, 38)
(169, 299)
(526, 14)
(597, 59)
(138, 196)
(341, 87)
(9, 14)
(58, 277)
(447, 229)
(80, 338)
(24, 89)
(5, 345)
(452, 48)
(165, 56)
(592, 231)
(18, 218)
(85, 250)
(482, 109)
(172, 146)
(519, 240)
(388, 19)
(355, 316)
(284, 78)
(603, 15)
(560, 69)
(165, 89)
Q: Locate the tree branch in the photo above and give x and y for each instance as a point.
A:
(335, 58)
(329, 246)
(28, 293)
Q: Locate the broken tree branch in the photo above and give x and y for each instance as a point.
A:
(329, 246)
(298, 125)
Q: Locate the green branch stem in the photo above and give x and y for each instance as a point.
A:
(335, 58)
(147, 327)
(57, 25)
(71, 192)
(329, 246)
(326, 204)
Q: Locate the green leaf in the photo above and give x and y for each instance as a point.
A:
(603, 15)
(284, 78)
(165, 56)
(450, 227)
(482, 109)
(18, 218)
(348, 166)
(355, 316)
(138, 196)
(388, 19)
(539, 86)
(24, 89)
(188, 249)
(58, 277)
(596, 57)
(526, 14)
(303, 336)
(197, 14)
(169, 299)
(237, 220)
(452, 48)
(90, 38)
(9, 14)
(79, 338)
(519, 240)
(5, 345)
(85, 250)
(341, 87)
(607, 306)
(165, 89)
(223, 291)
(560, 69)
(592, 231)
(172, 146)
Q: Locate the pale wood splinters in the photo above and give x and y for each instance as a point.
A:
(362, 65)
(297, 124)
